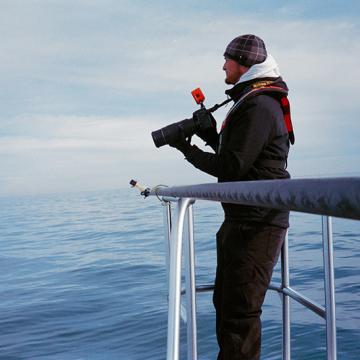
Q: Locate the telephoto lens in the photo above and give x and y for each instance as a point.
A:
(201, 120)
(170, 133)
(158, 138)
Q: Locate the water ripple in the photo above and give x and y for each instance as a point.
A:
(82, 276)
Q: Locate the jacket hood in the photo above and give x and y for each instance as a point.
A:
(265, 71)
(268, 68)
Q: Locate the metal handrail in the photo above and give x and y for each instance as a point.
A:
(338, 197)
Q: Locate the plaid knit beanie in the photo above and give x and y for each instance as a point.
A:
(247, 50)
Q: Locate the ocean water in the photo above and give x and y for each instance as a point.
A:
(82, 276)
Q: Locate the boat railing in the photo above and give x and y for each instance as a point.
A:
(329, 197)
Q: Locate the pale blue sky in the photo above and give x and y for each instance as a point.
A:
(85, 82)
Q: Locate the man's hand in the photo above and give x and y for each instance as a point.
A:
(180, 142)
(207, 133)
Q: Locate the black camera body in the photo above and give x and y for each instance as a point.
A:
(200, 122)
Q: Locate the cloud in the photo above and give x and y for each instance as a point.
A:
(73, 133)
(65, 153)
(85, 84)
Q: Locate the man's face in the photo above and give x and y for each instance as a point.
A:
(233, 71)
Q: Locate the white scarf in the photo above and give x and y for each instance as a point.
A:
(268, 68)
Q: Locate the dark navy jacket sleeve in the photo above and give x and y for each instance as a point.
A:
(249, 133)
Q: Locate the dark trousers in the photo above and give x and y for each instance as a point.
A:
(246, 256)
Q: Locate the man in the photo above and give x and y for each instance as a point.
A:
(253, 144)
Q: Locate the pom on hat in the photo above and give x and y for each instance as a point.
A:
(247, 50)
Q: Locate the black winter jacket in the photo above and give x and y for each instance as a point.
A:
(254, 133)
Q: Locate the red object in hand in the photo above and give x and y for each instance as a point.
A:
(198, 96)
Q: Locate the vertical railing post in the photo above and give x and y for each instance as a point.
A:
(285, 283)
(329, 282)
(189, 255)
(167, 220)
(173, 334)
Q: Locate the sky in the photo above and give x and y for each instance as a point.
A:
(85, 82)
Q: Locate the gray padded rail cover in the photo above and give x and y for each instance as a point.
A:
(339, 197)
